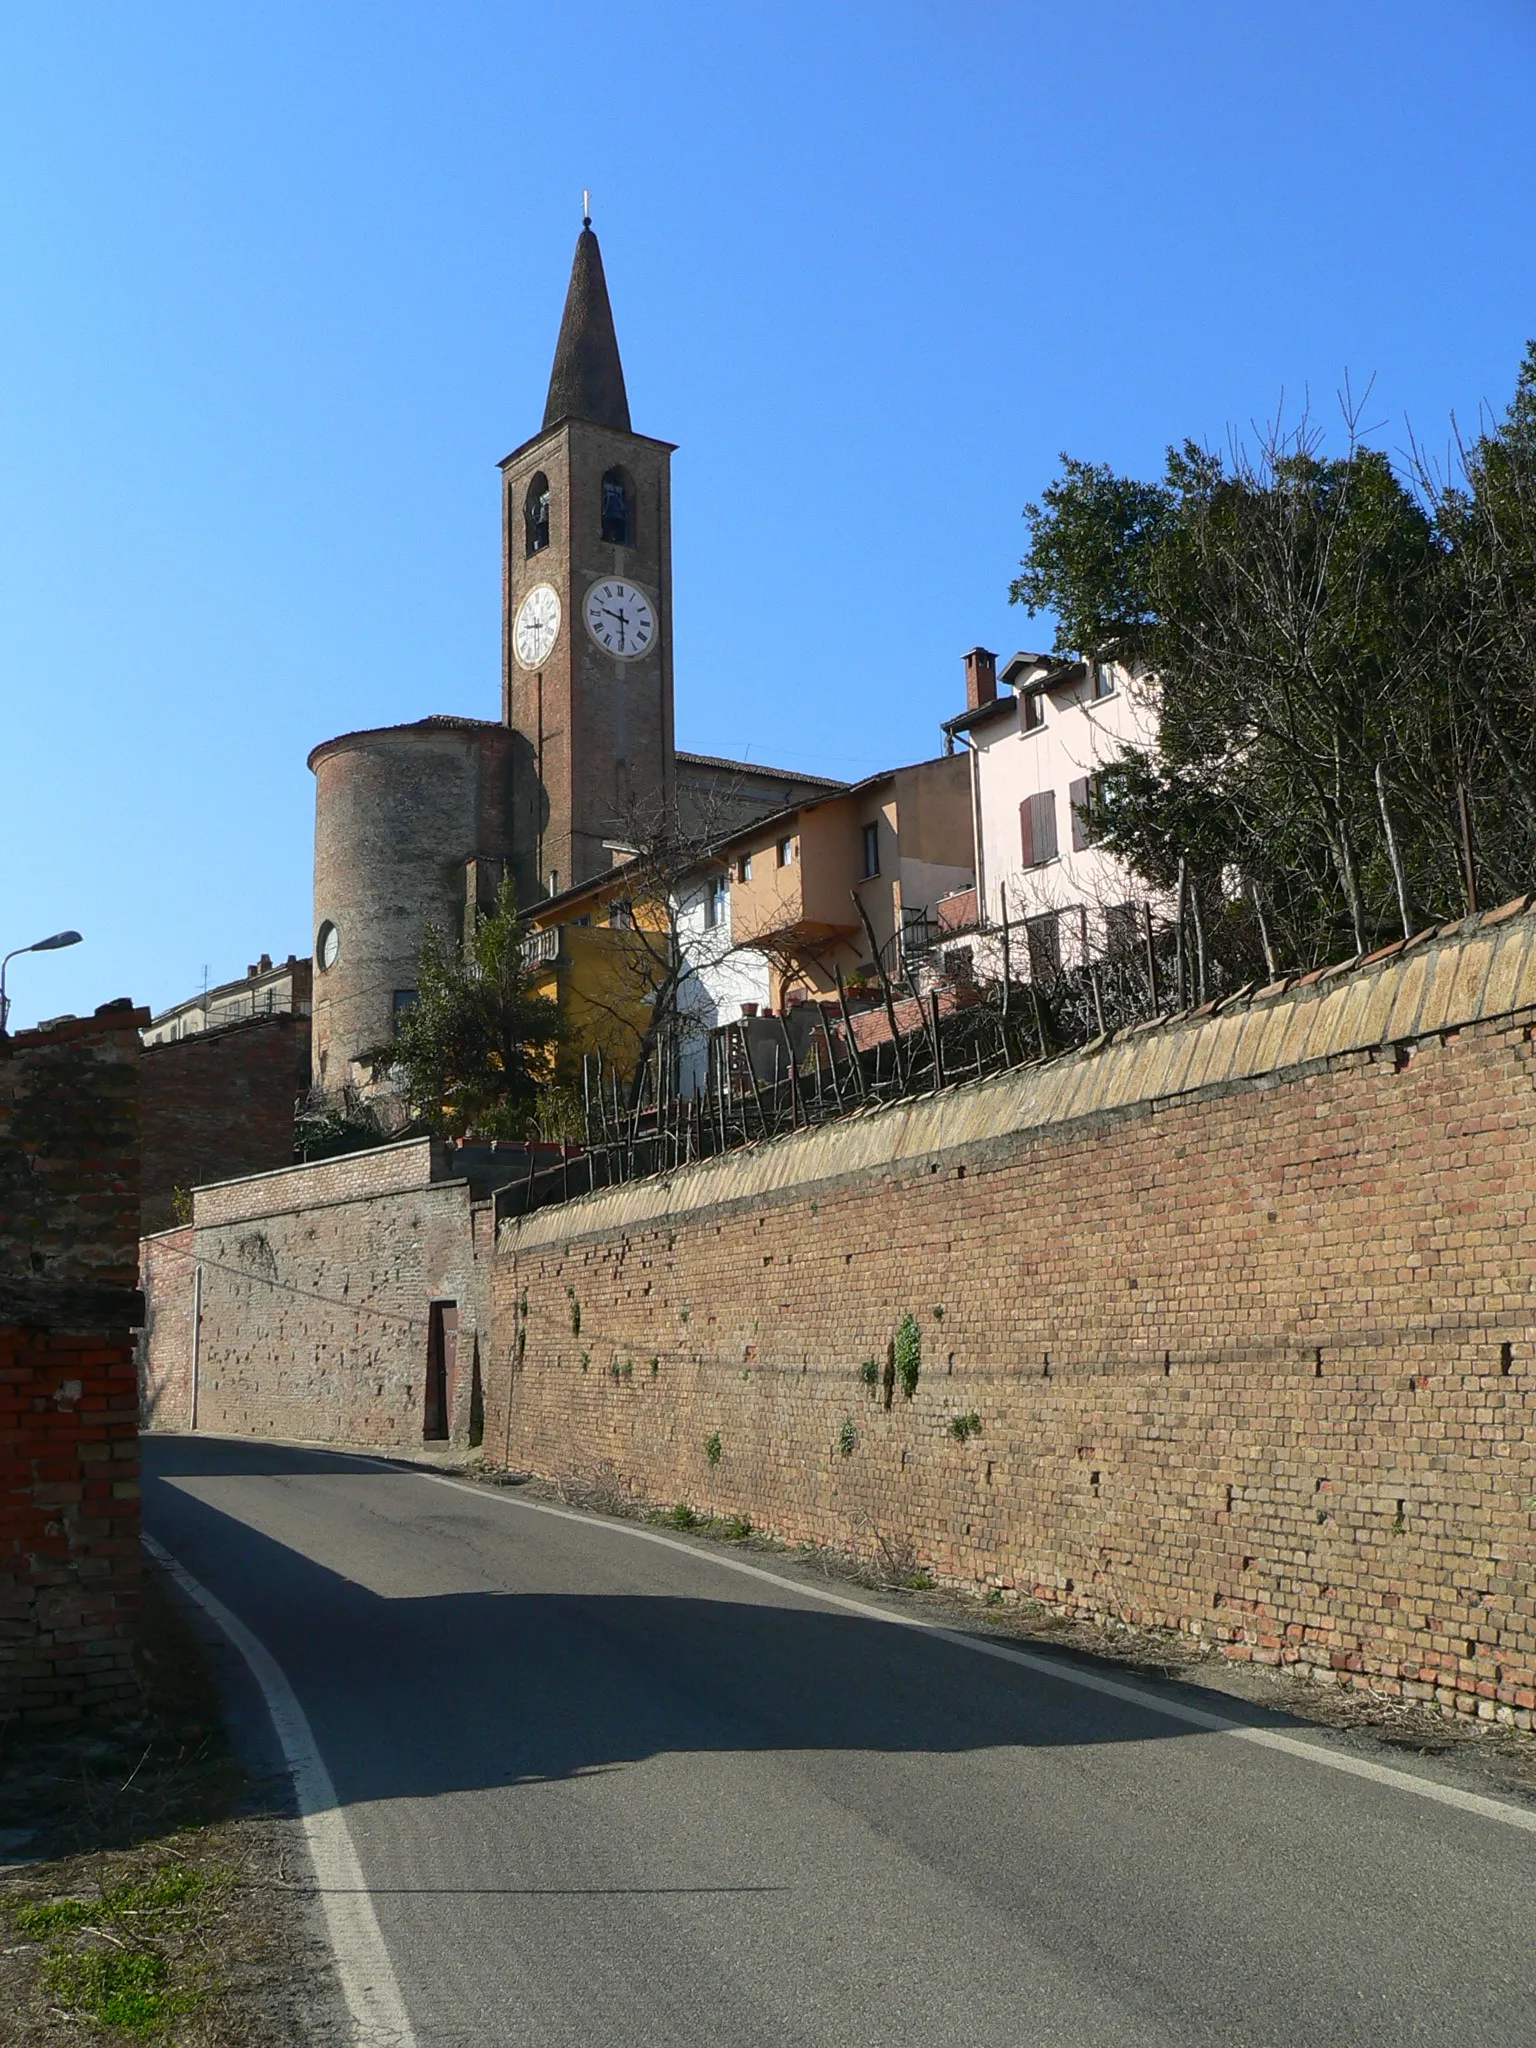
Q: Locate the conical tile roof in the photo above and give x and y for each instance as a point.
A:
(587, 381)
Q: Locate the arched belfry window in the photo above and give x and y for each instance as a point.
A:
(536, 514)
(618, 509)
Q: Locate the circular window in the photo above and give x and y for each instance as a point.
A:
(327, 945)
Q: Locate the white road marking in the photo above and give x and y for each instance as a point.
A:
(367, 1975)
(1063, 1674)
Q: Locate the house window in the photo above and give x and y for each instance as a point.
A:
(744, 867)
(784, 852)
(1037, 828)
(1103, 679)
(1032, 715)
(618, 509)
(405, 1001)
(715, 901)
(1043, 937)
(1083, 796)
(621, 917)
(871, 850)
(536, 515)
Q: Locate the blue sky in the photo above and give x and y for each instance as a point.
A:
(280, 284)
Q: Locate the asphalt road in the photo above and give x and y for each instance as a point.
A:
(608, 1793)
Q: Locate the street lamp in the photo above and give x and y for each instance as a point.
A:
(40, 946)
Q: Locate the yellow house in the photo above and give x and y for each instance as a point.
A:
(762, 919)
(605, 952)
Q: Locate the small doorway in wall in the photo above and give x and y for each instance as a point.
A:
(442, 1350)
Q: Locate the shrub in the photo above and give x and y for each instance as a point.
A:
(963, 1427)
(847, 1437)
(714, 1450)
(869, 1372)
(909, 1354)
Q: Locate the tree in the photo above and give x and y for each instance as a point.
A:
(475, 1051)
(1342, 657)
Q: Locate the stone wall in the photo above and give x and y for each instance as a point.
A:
(69, 1301)
(313, 1289)
(218, 1104)
(1229, 1326)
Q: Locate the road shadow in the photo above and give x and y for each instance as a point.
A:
(415, 1696)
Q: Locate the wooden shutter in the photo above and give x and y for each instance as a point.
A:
(1027, 831)
(1079, 796)
(1043, 826)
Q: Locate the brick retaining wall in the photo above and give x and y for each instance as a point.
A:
(69, 1492)
(1252, 1350)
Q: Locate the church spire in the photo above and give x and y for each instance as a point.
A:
(587, 381)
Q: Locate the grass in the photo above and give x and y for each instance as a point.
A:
(127, 1985)
(733, 1528)
(123, 1988)
(151, 1912)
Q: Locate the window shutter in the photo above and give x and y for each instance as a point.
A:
(1027, 831)
(1045, 825)
(1079, 796)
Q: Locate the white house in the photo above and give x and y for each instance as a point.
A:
(723, 982)
(1037, 746)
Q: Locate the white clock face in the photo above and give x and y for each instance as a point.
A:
(537, 626)
(620, 619)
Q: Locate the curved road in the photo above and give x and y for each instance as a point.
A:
(607, 1792)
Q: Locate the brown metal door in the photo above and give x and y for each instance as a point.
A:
(442, 1347)
(450, 1361)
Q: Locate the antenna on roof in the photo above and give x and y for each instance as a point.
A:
(586, 208)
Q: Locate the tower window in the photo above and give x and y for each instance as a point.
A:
(536, 515)
(871, 850)
(716, 900)
(618, 510)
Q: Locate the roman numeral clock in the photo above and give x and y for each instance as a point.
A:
(620, 619)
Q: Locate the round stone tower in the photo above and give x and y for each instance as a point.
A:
(412, 824)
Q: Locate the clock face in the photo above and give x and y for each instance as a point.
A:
(620, 619)
(537, 626)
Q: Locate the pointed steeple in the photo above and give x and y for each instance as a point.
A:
(587, 381)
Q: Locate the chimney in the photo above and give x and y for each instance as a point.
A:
(980, 678)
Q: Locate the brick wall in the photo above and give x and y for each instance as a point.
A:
(69, 1494)
(1251, 1341)
(220, 1103)
(315, 1292)
(167, 1273)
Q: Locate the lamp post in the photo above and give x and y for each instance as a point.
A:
(39, 946)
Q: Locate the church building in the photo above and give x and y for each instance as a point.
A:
(417, 824)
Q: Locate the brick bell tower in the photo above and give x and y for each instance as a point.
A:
(586, 610)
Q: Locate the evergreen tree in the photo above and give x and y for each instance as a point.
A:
(474, 1053)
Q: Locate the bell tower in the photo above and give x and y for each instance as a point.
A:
(587, 677)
